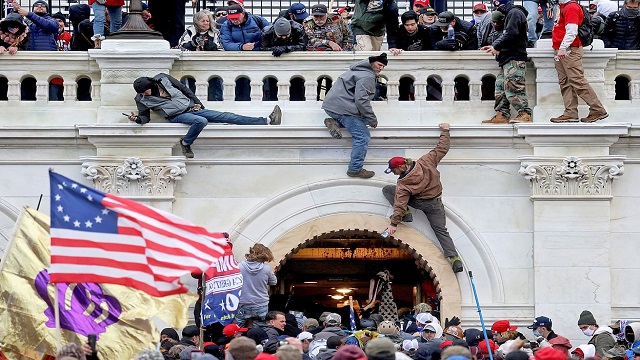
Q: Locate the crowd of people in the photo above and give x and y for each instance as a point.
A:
(415, 334)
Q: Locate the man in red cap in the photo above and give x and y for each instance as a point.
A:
(499, 327)
(419, 186)
(233, 331)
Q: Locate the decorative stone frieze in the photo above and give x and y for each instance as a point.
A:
(134, 177)
(572, 177)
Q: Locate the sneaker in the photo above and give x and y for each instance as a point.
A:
(408, 217)
(365, 174)
(275, 118)
(594, 117)
(456, 263)
(334, 128)
(563, 119)
(498, 118)
(186, 150)
(522, 117)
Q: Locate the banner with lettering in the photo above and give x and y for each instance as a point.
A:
(222, 290)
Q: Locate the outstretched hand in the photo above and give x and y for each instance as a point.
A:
(444, 126)
(455, 321)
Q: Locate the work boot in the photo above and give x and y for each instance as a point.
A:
(275, 118)
(522, 117)
(365, 174)
(563, 119)
(498, 118)
(186, 150)
(456, 263)
(594, 117)
(408, 216)
(334, 128)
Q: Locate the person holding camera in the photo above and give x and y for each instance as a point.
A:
(178, 104)
(43, 28)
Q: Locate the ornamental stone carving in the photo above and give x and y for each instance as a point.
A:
(573, 178)
(133, 177)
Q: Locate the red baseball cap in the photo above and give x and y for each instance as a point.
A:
(423, 3)
(483, 346)
(501, 326)
(480, 6)
(234, 11)
(394, 163)
(232, 329)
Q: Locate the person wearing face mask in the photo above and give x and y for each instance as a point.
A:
(622, 28)
(573, 83)
(542, 332)
(601, 336)
(510, 50)
(482, 21)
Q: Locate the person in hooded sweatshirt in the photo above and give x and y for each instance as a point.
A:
(601, 336)
(43, 28)
(257, 276)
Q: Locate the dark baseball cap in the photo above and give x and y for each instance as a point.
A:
(445, 18)
(319, 9)
(540, 321)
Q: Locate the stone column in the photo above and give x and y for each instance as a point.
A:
(121, 61)
(571, 175)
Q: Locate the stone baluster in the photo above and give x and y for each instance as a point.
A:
(610, 89)
(635, 90)
(393, 90)
(420, 88)
(202, 89)
(256, 90)
(475, 91)
(13, 91)
(448, 91)
(310, 89)
(70, 90)
(284, 88)
(229, 89)
(96, 90)
(42, 90)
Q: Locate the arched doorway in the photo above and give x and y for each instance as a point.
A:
(323, 271)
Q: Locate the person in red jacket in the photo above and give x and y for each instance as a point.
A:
(568, 63)
(100, 8)
(419, 186)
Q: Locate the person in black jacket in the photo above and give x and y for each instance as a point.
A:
(411, 35)
(510, 50)
(466, 37)
(282, 37)
(622, 28)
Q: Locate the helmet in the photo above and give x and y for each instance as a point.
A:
(387, 328)
(367, 324)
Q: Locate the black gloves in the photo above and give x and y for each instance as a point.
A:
(448, 44)
(278, 50)
(455, 321)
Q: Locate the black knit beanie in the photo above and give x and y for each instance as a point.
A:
(382, 58)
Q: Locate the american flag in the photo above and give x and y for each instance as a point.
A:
(352, 315)
(102, 238)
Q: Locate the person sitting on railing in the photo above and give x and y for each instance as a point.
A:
(283, 36)
(296, 12)
(14, 34)
(370, 20)
(411, 35)
(465, 37)
(242, 31)
(171, 99)
(43, 28)
(324, 34)
(202, 35)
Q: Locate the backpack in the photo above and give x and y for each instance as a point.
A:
(585, 30)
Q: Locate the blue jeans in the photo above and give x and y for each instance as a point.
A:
(56, 92)
(199, 119)
(359, 138)
(532, 19)
(115, 15)
(246, 312)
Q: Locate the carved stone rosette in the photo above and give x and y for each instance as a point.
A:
(133, 177)
(573, 178)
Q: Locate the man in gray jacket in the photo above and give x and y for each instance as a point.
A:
(178, 104)
(348, 104)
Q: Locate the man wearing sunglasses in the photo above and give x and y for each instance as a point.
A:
(43, 29)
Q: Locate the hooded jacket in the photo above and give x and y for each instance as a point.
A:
(603, 340)
(181, 99)
(19, 39)
(421, 181)
(43, 31)
(512, 44)
(256, 278)
(326, 354)
(297, 41)
(373, 17)
(632, 328)
(352, 92)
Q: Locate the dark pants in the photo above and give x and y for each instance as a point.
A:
(434, 210)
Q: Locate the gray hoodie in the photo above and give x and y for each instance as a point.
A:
(256, 278)
(352, 92)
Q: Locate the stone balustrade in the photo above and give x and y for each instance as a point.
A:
(97, 84)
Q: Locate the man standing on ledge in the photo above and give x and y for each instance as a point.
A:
(419, 186)
(568, 63)
(349, 105)
(178, 104)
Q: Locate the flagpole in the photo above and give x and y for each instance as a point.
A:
(56, 311)
(204, 288)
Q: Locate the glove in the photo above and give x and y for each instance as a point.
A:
(277, 51)
(417, 46)
(455, 321)
(448, 44)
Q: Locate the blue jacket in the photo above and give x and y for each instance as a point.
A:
(234, 36)
(43, 30)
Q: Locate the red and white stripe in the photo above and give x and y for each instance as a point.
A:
(151, 252)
